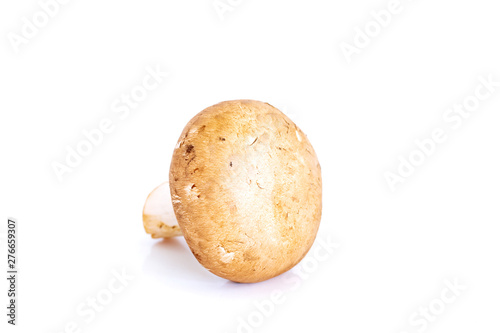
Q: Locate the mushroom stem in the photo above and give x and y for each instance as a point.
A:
(158, 214)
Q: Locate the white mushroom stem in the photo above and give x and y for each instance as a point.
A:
(158, 214)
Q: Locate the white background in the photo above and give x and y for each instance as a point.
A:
(397, 248)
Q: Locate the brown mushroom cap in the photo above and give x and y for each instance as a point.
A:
(246, 190)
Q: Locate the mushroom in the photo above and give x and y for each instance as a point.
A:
(246, 189)
(158, 214)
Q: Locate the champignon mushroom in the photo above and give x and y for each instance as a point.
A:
(246, 190)
(158, 214)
